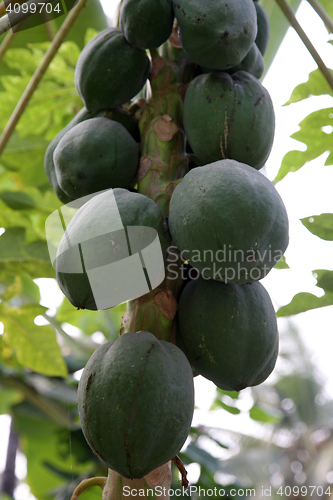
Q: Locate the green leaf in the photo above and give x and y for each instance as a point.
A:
(316, 140)
(47, 452)
(315, 85)
(260, 415)
(36, 347)
(320, 225)
(108, 321)
(230, 409)
(305, 301)
(90, 33)
(54, 102)
(324, 279)
(327, 5)
(195, 454)
(231, 394)
(278, 27)
(18, 258)
(17, 200)
(282, 263)
(9, 397)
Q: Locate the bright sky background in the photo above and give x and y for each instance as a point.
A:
(305, 193)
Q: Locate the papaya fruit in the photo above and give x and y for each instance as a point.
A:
(93, 155)
(229, 222)
(100, 222)
(238, 117)
(146, 23)
(110, 71)
(118, 114)
(136, 402)
(253, 63)
(263, 33)
(216, 34)
(49, 167)
(229, 332)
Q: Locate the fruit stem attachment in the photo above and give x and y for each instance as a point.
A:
(290, 15)
(88, 483)
(39, 73)
(180, 466)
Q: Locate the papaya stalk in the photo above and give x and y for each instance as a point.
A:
(162, 165)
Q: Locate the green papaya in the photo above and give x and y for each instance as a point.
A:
(49, 167)
(229, 222)
(100, 237)
(216, 34)
(93, 155)
(136, 402)
(229, 332)
(238, 117)
(110, 71)
(118, 114)
(146, 23)
(263, 33)
(253, 63)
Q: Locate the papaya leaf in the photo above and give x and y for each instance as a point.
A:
(17, 200)
(108, 321)
(320, 225)
(195, 454)
(282, 263)
(90, 33)
(16, 257)
(8, 398)
(324, 279)
(231, 394)
(278, 27)
(13, 287)
(316, 139)
(230, 409)
(21, 286)
(261, 415)
(35, 346)
(315, 85)
(327, 5)
(303, 302)
(54, 102)
(43, 446)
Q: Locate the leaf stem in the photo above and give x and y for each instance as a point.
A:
(39, 73)
(290, 15)
(322, 14)
(88, 483)
(6, 43)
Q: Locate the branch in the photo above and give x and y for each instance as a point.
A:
(322, 14)
(39, 73)
(290, 15)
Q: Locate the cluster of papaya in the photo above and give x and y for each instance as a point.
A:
(136, 396)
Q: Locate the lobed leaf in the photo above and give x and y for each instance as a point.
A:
(320, 225)
(36, 347)
(316, 139)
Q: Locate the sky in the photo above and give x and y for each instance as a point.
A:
(305, 193)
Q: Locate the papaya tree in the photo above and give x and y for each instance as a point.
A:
(130, 160)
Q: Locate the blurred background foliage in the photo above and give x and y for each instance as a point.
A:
(42, 351)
